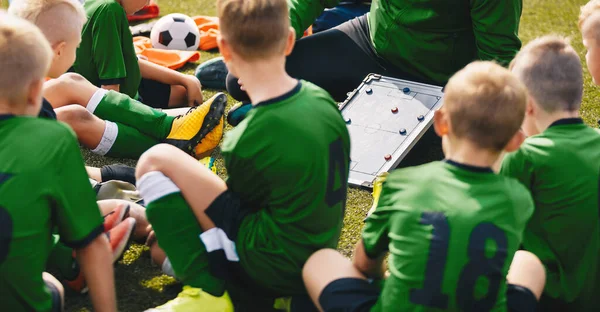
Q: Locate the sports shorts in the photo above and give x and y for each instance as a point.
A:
(359, 295)
(56, 299)
(154, 94)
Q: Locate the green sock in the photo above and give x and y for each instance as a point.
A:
(61, 259)
(177, 232)
(118, 107)
(123, 141)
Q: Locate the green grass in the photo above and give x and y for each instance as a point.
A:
(140, 285)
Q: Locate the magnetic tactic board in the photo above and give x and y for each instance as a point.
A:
(386, 117)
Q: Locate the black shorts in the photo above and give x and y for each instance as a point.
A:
(359, 295)
(154, 94)
(56, 299)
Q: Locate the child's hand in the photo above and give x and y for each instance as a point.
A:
(194, 91)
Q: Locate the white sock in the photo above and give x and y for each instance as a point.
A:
(154, 185)
(95, 100)
(167, 268)
(111, 131)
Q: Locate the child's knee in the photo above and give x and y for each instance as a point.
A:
(319, 258)
(74, 115)
(153, 158)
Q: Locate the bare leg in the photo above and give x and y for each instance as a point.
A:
(178, 96)
(94, 173)
(186, 172)
(69, 89)
(526, 270)
(49, 279)
(89, 128)
(324, 267)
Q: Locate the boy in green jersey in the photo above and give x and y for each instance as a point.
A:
(451, 228)
(106, 57)
(284, 198)
(58, 193)
(108, 122)
(559, 163)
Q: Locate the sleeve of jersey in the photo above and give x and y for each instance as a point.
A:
(304, 12)
(107, 46)
(516, 165)
(496, 27)
(77, 215)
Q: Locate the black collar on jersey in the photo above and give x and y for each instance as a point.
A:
(567, 121)
(6, 116)
(283, 97)
(469, 167)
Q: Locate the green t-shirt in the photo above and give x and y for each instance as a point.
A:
(288, 162)
(451, 231)
(561, 169)
(431, 39)
(43, 187)
(106, 55)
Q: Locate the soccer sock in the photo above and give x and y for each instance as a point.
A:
(123, 141)
(117, 107)
(118, 172)
(177, 232)
(61, 259)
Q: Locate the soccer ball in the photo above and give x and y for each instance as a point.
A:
(175, 32)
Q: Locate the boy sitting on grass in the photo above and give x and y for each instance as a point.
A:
(43, 185)
(288, 166)
(106, 57)
(559, 163)
(452, 228)
(109, 122)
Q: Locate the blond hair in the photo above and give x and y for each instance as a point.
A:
(485, 104)
(254, 28)
(551, 70)
(24, 57)
(59, 20)
(587, 11)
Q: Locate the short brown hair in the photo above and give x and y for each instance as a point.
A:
(254, 28)
(485, 104)
(25, 57)
(59, 20)
(551, 70)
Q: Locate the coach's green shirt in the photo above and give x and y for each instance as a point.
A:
(452, 231)
(432, 39)
(43, 187)
(288, 162)
(106, 55)
(561, 169)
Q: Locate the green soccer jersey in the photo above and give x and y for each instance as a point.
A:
(106, 55)
(288, 162)
(452, 231)
(43, 187)
(561, 169)
(431, 39)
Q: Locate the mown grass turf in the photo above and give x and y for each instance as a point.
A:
(140, 286)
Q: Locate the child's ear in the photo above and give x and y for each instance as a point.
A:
(530, 107)
(440, 123)
(515, 142)
(290, 42)
(59, 49)
(224, 48)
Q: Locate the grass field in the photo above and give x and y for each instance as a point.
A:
(140, 286)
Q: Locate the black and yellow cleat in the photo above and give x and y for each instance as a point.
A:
(200, 129)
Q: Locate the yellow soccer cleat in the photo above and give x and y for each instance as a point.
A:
(377, 185)
(201, 128)
(195, 300)
(210, 141)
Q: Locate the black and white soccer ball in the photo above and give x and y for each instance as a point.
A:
(175, 32)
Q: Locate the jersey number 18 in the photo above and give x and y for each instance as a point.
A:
(479, 265)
